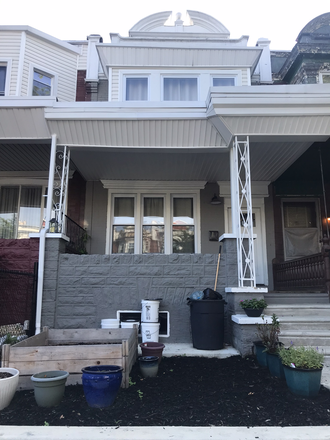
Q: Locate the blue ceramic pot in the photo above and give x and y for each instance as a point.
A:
(101, 384)
(260, 352)
(303, 382)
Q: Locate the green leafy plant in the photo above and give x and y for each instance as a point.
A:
(253, 303)
(10, 339)
(140, 393)
(268, 333)
(307, 358)
(130, 382)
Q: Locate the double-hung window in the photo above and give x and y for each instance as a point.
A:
(325, 78)
(42, 83)
(153, 228)
(136, 89)
(183, 228)
(20, 211)
(180, 89)
(3, 73)
(123, 229)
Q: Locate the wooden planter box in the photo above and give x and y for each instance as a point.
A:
(71, 350)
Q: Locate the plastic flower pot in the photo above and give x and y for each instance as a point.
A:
(8, 386)
(49, 387)
(148, 366)
(260, 353)
(253, 313)
(303, 382)
(152, 349)
(275, 365)
(101, 384)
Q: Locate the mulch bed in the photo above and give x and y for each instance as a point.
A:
(187, 392)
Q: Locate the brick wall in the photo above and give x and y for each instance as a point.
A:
(19, 254)
(81, 91)
(80, 290)
(76, 198)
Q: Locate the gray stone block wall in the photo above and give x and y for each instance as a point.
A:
(80, 290)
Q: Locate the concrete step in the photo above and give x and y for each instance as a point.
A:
(296, 297)
(298, 310)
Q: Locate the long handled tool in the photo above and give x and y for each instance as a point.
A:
(216, 277)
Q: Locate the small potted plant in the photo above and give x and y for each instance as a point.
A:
(268, 334)
(303, 369)
(253, 307)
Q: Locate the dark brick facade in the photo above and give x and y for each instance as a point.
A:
(81, 91)
(19, 254)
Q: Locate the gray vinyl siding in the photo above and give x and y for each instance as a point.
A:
(10, 43)
(53, 59)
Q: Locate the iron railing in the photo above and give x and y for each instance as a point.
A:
(310, 272)
(78, 237)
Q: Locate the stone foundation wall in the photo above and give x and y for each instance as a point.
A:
(80, 290)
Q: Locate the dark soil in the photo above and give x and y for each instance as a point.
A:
(187, 392)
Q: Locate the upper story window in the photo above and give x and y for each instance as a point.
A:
(136, 89)
(223, 81)
(180, 89)
(3, 72)
(325, 78)
(42, 83)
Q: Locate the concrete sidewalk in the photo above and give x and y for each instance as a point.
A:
(174, 432)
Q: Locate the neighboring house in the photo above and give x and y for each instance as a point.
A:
(161, 142)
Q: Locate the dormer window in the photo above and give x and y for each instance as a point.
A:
(180, 89)
(42, 84)
(136, 89)
(325, 78)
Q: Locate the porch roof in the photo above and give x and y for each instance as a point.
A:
(172, 141)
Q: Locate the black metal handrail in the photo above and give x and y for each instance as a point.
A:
(78, 237)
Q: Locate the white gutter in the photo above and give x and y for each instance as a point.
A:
(42, 240)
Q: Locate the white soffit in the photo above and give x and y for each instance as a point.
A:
(191, 133)
(23, 123)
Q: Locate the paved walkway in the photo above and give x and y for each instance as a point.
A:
(174, 432)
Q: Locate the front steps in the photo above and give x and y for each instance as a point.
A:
(304, 318)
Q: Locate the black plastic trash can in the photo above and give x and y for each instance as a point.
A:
(207, 323)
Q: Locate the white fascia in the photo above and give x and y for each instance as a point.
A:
(24, 102)
(122, 110)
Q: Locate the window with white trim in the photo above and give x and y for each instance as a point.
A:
(42, 83)
(325, 78)
(3, 73)
(223, 81)
(136, 89)
(144, 223)
(180, 89)
(21, 210)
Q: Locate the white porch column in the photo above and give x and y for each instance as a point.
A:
(241, 202)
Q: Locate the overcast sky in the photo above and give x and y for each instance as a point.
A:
(280, 20)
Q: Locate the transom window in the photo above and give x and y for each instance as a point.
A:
(42, 84)
(20, 211)
(136, 89)
(153, 223)
(180, 89)
(222, 81)
(3, 72)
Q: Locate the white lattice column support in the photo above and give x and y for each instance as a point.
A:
(242, 211)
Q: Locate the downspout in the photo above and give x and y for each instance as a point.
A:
(42, 239)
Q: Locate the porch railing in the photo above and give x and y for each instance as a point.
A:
(78, 237)
(310, 272)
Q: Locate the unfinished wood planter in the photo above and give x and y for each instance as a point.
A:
(71, 350)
